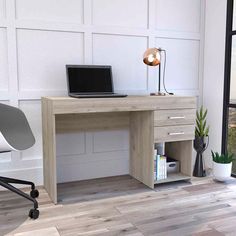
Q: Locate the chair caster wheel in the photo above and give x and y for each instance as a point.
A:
(34, 193)
(34, 214)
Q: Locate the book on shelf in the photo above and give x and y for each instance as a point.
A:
(155, 164)
(160, 166)
(161, 170)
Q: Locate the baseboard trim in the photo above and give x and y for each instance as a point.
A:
(32, 174)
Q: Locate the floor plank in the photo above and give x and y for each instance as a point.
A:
(123, 206)
(52, 231)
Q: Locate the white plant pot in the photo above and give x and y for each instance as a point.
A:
(222, 172)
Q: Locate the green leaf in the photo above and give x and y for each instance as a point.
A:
(217, 157)
(223, 158)
(207, 130)
(201, 123)
(198, 123)
(213, 155)
(198, 116)
(201, 111)
(204, 115)
(204, 125)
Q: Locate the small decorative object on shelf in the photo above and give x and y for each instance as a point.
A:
(201, 142)
(172, 165)
(222, 165)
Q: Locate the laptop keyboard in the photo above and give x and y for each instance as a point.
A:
(104, 95)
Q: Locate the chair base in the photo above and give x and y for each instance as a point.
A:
(6, 183)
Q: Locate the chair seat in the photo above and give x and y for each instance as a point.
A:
(15, 130)
(4, 145)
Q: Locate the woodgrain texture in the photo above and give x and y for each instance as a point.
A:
(141, 147)
(173, 177)
(123, 206)
(174, 117)
(64, 105)
(92, 121)
(49, 150)
(65, 114)
(52, 231)
(173, 133)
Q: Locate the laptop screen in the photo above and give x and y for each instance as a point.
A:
(89, 79)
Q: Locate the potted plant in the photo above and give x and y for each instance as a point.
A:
(222, 165)
(201, 141)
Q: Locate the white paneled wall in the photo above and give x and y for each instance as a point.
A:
(125, 56)
(3, 59)
(120, 13)
(2, 9)
(183, 57)
(52, 10)
(37, 40)
(178, 15)
(42, 56)
(214, 72)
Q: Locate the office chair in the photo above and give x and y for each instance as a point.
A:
(16, 135)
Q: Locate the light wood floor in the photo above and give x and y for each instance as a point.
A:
(123, 206)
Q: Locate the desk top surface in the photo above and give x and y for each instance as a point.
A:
(65, 105)
(129, 97)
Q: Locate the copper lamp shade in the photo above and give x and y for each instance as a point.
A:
(152, 56)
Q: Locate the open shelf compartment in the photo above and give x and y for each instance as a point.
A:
(181, 151)
(173, 177)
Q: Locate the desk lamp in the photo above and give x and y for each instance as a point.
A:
(152, 57)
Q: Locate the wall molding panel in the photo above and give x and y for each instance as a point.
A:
(37, 40)
(182, 20)
(4, 82)
(123, 17)
(2, 9)
(58, 11)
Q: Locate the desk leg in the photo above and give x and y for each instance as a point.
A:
(49, 151)
(141, 146)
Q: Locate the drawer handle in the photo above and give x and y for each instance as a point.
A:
(176, 133)
(176, 117)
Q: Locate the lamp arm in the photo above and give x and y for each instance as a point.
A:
(159, 74)
(159, 77)
(164, 72)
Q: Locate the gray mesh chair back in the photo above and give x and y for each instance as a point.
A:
(15, 128)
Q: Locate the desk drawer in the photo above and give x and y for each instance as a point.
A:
(173, 133)
(174, 117)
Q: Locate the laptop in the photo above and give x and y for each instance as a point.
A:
(90, 81)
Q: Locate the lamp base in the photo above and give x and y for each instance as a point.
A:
(158, 94)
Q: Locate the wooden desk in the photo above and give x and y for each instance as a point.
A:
(150, 119)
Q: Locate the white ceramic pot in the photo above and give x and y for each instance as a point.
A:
(222, 172)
